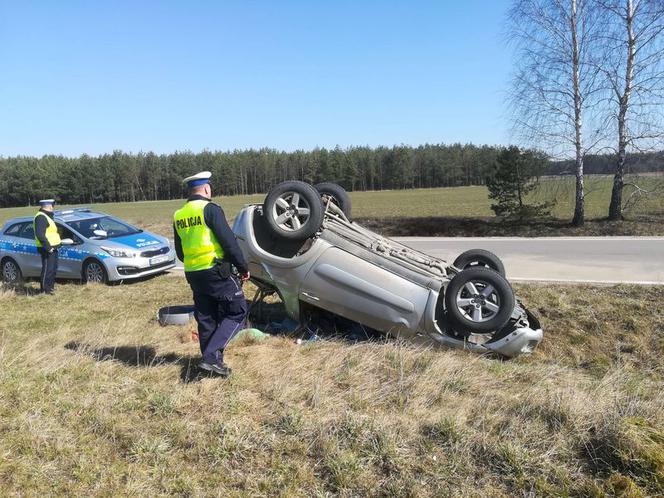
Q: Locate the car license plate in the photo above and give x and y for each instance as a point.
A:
(157, 260)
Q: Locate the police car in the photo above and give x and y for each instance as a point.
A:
(95, 247)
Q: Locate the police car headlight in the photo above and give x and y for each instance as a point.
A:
(119, 253)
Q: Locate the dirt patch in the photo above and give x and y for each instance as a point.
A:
(651, 225)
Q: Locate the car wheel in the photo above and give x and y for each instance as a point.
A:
(479, 301)
(479, 258)
(337, 194)
(293, 210)
(11, 272)
(94, 272)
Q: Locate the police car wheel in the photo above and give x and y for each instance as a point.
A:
(11, 272)
(95, 273)
(479, 301)
(331, 192)
(293, 210)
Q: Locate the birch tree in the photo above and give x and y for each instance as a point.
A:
(556, 86)
(633, 65)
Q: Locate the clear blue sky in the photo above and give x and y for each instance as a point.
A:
(90, 76)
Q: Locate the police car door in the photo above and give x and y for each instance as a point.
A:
(69, 256)
(25, 251)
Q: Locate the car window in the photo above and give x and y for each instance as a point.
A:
(112, 226)
(66, 233)
(27, 231)
(14, 229)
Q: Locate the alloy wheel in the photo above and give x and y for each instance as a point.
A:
(478, 301)
(291, 211)
(94, 273)
(10, 272)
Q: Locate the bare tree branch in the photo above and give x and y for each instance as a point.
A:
(633, 70)
(558, 86)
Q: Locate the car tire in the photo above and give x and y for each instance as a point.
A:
(477, 258)
(11, 272)
(293, 210)
(337, 194)
(478, 301)
(94, 272)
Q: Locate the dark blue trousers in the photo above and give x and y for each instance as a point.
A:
(49, 261)
(221, 310)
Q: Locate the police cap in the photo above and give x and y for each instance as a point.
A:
(198, 179)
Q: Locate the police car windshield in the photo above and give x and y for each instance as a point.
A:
(112, 226)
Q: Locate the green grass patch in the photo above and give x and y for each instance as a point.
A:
(454, 202)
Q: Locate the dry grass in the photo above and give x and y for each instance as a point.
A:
(97, 399)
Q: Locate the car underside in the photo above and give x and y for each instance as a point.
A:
(327, 263)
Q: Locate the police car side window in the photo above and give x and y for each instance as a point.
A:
(27, 232)
(66, 233)
(14, 229)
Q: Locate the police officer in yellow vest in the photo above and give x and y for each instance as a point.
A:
(207, 246)
(47, 239)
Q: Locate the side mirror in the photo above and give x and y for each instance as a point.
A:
(102, 234)
(67, 242)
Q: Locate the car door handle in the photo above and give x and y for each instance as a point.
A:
(306, 294)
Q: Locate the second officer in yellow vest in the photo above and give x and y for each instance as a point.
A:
(206, 245)
(48, 241)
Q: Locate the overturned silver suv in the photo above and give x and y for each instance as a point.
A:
(302, 244)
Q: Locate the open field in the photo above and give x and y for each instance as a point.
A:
(97, 399)
(442, 211)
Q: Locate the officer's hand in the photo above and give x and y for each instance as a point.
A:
(245, 276)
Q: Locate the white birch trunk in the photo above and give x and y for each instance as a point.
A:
(615, 206)
(579, 204)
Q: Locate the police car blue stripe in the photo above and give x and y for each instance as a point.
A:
(68, 253)
(18, 248)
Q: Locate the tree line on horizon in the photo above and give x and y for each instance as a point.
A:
(122, 177)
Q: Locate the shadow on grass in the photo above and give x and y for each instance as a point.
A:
(30, 285)
(142, 357)
(22, 289)
(262, 314)
(138, 280)
(272, 318)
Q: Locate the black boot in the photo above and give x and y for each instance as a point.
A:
(219, 368)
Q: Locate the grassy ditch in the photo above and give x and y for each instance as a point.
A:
(97, 399)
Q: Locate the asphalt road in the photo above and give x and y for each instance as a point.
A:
(570, 259)
(638, 260)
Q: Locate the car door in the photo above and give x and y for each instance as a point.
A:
(356, 289)
(69, 257)
(25, 250)
(10, 243)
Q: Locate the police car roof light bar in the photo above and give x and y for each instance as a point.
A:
(74, 210)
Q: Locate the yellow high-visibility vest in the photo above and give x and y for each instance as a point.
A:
(199, 244)
(52, 234)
